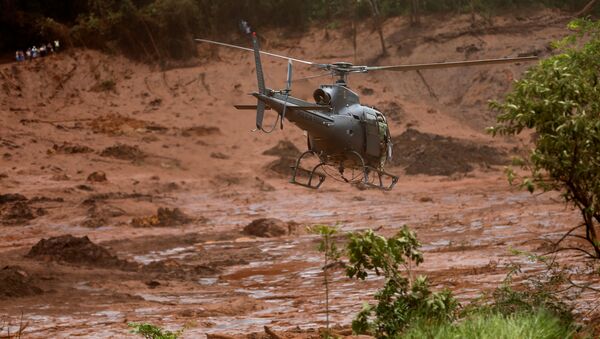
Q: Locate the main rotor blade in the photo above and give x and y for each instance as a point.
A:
(263, 52)
(403, 68)
(312, 77)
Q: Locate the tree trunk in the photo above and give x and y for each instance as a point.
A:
(415, 13)
(590, 232)
(587, 9)
(377, 19)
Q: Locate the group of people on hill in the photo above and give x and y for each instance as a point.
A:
(38, 52)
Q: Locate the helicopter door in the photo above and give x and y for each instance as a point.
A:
(372, 135)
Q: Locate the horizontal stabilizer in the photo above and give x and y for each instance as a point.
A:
(308, 108)
(311, 108)
(252, 107)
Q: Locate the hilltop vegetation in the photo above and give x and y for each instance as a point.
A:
(154, 30)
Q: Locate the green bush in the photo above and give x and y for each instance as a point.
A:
(539, 324)
(149, 331)
(559, 100)
(402, 299)
(162, 29)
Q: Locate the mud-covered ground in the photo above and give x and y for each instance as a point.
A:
(142, 182)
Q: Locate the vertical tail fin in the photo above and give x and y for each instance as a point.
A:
(260, 108)
(259, 72)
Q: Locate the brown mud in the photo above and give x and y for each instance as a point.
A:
(180, 159)
(430, 154)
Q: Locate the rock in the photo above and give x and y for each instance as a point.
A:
(172, 217)
(284, 148)
(270, 227)
(200, 131)
(16, 214)
(69, 148)
(15, 283)
(98, 216)
(74, 250)
(97, 176)
(124, 152)
(152, 284)
(11, 197)
(219, 155)
(164, 217)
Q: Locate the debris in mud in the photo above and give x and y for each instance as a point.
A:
(219, 155)
(282, 166)
(11, 197)
(284, 148)
(200, 131)
(164, 218)
(16, 213)
(287, 153)
(124, 152)
(69, 148)
(97, 176)
(430, 154)
(152, 284)
(114, 196)
(468, 49)
(98, 216)
(262, 185)
(84, 188)
(116, 124)
(228, 179)
(366, 90)
(155, 103)
(15, 283)
(271, 227)
(392, 110)
(172, 269)
(60, 177)
(43, 199)
(70, 249)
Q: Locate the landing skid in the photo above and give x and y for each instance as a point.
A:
(381, 177)
(314, 179)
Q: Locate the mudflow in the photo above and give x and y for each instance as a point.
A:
(133, 202)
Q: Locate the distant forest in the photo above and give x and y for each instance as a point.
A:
(153, 30)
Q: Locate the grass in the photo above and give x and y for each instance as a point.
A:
(540, 324)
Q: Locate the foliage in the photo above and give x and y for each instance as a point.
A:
(538, 292)
(150, 331)
(537, 324)
(559, 100)
(402, 300)
(162, 29)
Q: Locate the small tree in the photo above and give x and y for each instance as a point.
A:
(559, 99)
(402, 299)
(331, 255)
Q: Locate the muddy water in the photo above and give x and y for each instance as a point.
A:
(466, 236)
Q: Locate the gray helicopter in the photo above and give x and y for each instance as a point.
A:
(344, 136)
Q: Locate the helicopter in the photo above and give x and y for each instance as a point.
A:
(342, 134)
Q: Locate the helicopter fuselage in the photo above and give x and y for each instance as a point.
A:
(349, 133)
